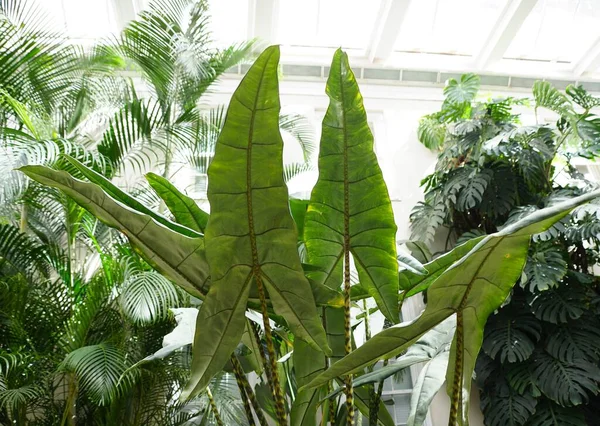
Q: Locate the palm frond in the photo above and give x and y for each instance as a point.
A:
(98, 369)
(147, 296)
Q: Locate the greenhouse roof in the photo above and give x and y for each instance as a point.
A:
(503, 39)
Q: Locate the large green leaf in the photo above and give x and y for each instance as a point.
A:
(350, 209)
(250, 237)
(511, 336)
(185, 210)
(308, 363)
(121, 196)
(412, 283)
(547, 96)
(179, 257)
(566, 383)
(472, 288)
(549, 414)
(462, 91)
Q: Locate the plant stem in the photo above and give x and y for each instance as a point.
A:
(213, 407)
(348, 336)
(247, 392)
(274, 382)
(23, 222)
(374, 409)
(69, 413)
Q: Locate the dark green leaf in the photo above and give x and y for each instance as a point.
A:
(510, 337)
(563, 382)
(558, 305)
(549, 414)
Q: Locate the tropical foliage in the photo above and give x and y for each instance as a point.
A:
(539, 363)
(256, 288)
(78, 306)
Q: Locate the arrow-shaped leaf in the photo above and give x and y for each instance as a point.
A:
(251, 237)
(185, 210)
(350, 208)
(177, 256)
(472, 289)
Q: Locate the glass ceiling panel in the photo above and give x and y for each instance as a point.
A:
(327, 23)
(83, 21)
(89, 19)
(556, 30)
(229, 21)
(456, 27)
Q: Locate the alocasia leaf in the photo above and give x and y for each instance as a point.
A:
(122, 197)
(308, 364)
(350, 209)
(185, 210)
(251, 239)
(179, 257)
(471, 289)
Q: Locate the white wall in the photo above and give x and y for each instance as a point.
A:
(393, 112)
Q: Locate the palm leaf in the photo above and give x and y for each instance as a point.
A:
(98, 369)
(147, 296)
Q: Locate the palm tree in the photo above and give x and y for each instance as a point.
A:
(78, 307)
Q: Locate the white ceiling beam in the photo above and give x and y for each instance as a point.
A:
(262, 19)
(589, 61)
(503, 32)
(386, 29)
(125, 11)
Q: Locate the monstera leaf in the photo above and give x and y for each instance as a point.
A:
(576, 341)
(511, 336)
(505, 406)
(250, 237)
(156, 241)
(463, 90)
(566, 383)
(549, 414)
(545, 267)
(547, 96)
(471, 289)
(559, 305)
(350, 211)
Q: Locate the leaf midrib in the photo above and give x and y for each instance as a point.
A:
(256, 269)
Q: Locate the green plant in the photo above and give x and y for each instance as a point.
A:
(490, 173)
(78, 305)
(247, 261)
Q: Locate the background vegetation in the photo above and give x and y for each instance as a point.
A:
(539, 363)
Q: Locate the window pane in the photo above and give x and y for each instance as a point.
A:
(440, 26)
(556, 30)
(229, 21)
(90, 19)
(327, 23)
(401, 408)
